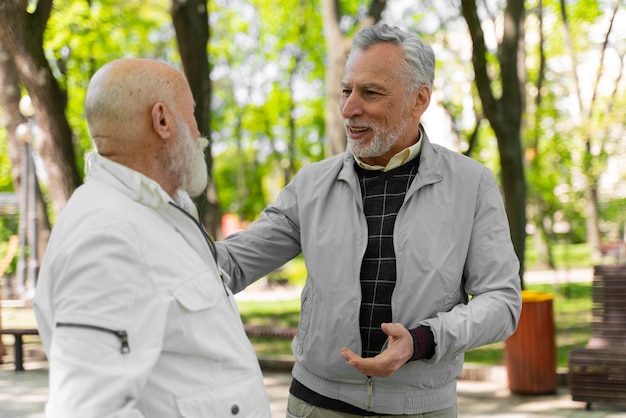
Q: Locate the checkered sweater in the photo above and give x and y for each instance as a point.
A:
(383, 195)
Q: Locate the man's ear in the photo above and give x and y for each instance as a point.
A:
(421, 100)
(161, 120)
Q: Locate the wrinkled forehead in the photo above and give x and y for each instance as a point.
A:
(380, 63)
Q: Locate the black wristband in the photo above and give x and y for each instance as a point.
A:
(423, 343)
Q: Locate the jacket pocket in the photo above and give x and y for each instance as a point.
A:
(245, 398)
(196, 294)
(305, 318)
(202, 314)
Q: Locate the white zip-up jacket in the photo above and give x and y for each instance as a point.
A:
(451, 240)
(134, 316)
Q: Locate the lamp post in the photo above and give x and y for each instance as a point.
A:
(28, 205)
(23, 133)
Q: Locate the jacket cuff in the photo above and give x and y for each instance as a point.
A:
(423, 343)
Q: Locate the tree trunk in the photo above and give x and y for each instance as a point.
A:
(21, 34)
(191, 23)
(338, 47)
(591, 218)
(505, 113)
(12, 120)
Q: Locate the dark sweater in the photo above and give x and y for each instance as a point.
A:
(383, 195)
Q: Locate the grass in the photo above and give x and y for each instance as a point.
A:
(565, 255)
(572, 319)
(272, 314)
(572, 316)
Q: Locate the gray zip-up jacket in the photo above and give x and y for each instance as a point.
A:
(456, 273)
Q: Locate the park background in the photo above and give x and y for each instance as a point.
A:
(533, 89)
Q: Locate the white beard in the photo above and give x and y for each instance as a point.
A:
(380, 144)
(188, 163)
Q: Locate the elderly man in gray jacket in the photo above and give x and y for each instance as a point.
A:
(407, 248)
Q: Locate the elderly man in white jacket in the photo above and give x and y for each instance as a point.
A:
(134, 313)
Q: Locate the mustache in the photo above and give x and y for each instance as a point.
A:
(356, 122)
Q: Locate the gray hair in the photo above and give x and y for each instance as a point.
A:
(419, 58)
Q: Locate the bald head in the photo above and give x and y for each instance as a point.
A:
(121, 94)
(137, 110)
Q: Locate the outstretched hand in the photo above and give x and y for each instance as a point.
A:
(399, 351)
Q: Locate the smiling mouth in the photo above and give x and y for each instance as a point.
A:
(357, 129)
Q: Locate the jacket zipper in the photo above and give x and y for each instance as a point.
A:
(120, 334)
(370, 392)
(205, 234)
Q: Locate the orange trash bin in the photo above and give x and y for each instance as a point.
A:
(530, 353)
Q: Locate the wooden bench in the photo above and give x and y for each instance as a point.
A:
(597, 373)
(18, 334)
(272, 332)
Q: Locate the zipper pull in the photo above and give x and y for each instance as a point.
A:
(123, 336)
(370, 392)
(120, 334)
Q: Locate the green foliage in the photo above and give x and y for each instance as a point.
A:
(82, 36)
(267, 105)
(613, 216)
(283, 314)
(295, 271)
(279, 313)
(9, 224)
(269, 91)
(6, 183)
(566, 255)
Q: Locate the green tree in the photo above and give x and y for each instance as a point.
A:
(592, 129)
(191, 23)
(267, 100)
(22, 35)
(342, 19)
(498, 79)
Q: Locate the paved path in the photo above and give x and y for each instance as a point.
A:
(23, 395)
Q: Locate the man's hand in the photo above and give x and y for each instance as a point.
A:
(399, 351)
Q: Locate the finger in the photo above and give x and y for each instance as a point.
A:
(348, 354)
(393, 329)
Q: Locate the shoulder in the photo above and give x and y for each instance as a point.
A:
(458, 164)
(332, 164)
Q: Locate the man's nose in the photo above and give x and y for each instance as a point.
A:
(351, 106)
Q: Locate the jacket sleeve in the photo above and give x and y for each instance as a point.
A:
(267, 244)
(98, 297)
(491, 279)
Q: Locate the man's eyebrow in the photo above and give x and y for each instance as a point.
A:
(365, 86)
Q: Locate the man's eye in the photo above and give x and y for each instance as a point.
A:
(345, 92)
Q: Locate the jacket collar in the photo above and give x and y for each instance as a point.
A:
(429, 168)
(134, 184)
